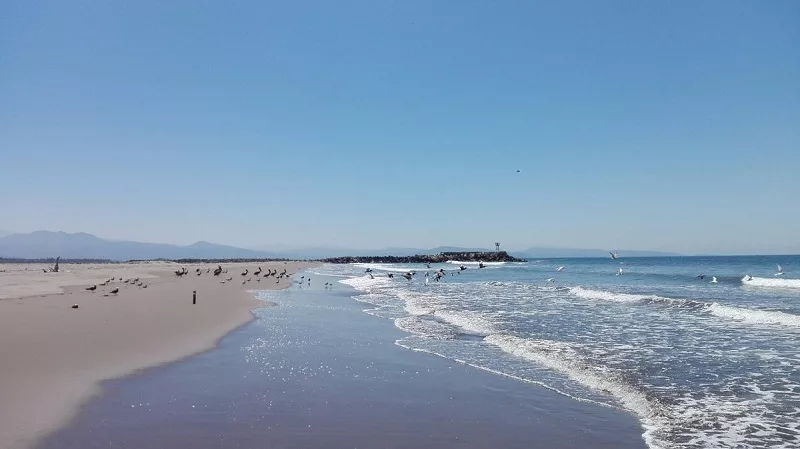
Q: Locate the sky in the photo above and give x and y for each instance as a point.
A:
(670, 126)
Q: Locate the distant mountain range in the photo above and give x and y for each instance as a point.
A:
(47, 244)
(43, 244)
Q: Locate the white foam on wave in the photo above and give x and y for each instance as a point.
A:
(365, 283)
(771, 282)
(587, 293)
(564, 359)
(754, 315)
(470, 322)
(468, 262)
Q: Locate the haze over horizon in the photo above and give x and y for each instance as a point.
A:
(359, 124)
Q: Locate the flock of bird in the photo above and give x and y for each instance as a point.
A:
(133, 282)
(199, 272)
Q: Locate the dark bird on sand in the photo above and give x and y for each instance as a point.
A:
(115, 291)
(92, 288)
(246, 270)
(218, 270)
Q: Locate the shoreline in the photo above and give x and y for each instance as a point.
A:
(317, 372)
(55, 358)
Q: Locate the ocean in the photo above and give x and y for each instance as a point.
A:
(699, 363)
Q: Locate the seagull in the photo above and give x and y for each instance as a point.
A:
(92, 288)
(619, 272)
(407, 276)
(702, 276)
(749, 278)
(561, 268)
(780, 271)
(713, 279)
(550, 280)
(614, 255)
(115, 291)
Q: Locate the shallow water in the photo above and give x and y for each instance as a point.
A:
(700, 363)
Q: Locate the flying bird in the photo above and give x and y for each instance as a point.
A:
(713, 279)
(561, 268)
(614, 255)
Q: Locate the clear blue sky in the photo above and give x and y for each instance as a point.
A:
(635, 124)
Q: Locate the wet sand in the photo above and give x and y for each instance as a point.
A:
(316, 372)
(54, 356)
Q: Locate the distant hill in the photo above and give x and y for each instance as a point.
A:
(545, 253)
(45, 244)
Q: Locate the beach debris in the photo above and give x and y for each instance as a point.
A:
(74, 306)
(92, 288)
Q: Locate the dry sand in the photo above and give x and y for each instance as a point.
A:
(53, 357)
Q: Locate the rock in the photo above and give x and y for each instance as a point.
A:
(489, 256)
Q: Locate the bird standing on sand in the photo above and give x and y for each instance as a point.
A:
(92, 288)
(246, 270)
(256, 273)
(218, 270)
(115, 291)
(780, 271)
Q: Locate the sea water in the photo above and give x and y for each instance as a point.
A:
(700, 363)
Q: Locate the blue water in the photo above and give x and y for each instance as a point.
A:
(700, 364)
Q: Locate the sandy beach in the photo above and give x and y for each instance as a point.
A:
(317, 372)
(54, 357)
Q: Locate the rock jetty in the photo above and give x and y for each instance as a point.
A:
(493, 256)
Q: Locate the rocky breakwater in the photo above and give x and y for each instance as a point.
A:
(493, 256)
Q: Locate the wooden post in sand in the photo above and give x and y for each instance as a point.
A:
(194, 297)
